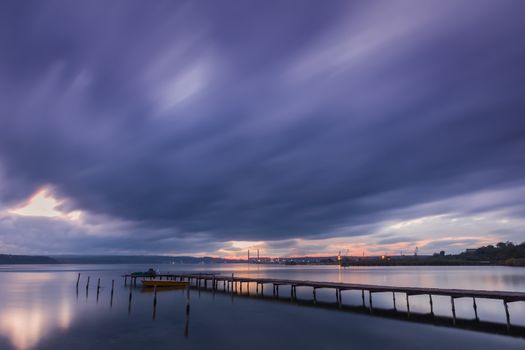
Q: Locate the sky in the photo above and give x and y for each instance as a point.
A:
(293, 127)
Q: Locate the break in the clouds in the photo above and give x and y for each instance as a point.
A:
(301, 127)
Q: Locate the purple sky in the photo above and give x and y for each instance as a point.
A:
(298, 127)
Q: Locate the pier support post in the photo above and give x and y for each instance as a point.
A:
(408, 306)
(431, 305)
(475, 309)
(453, 310)
(394, 299)
(112, 288)
(98, 288)
(363, 296)
(78, 280)
(507, 314)
(87, 284)
(130, 296)
(257, 287)
(315, 295)
(370, 300)
(154, 302)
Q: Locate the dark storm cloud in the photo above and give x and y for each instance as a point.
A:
(260, 120)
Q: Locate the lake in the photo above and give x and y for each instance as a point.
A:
(41, 309)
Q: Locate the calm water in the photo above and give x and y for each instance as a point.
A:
(40, 309)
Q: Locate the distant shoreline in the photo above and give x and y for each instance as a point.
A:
(502, 254)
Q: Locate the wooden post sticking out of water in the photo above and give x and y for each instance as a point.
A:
(475, 309)
(125, 280)
(186, 325)
(154, 302)
(232, 284)
(370, 300)
(394, 299)
(408, 306)
(78, 280)
(112, 288)
(431, 305)
(453, 310)
(315, 295)
(130, 296)
(98, 288)
(188, 295)
(507, 314)
(363, 296)
(87, 284)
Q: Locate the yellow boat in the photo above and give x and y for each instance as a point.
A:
(166, 283)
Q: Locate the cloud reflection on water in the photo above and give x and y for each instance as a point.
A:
(35, 307)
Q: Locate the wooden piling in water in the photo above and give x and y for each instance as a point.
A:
(112, 288)
(453, 310)
(78, 280)
(431, 304)
(475, 309)
(394, 299)
(507, 314)
(87, 284)
(408, 306)
(370, 300)
(98, 289)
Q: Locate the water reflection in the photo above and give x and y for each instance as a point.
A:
(28, 313)
(42, 310)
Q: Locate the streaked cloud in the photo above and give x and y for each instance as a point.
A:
(184, 127)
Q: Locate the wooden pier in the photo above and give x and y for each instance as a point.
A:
(233, 284)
